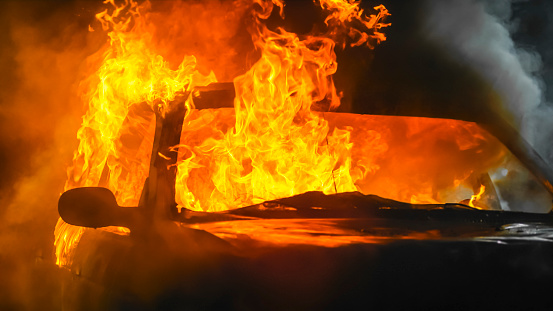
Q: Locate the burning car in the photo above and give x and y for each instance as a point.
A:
(254, 194)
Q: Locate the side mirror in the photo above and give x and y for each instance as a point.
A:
(96, 207)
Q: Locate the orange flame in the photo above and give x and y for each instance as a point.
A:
(346, 12)
(416, 160)
(278, 146)
(115, 136)
(278, 140)
(131, 74)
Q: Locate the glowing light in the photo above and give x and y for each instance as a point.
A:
(476, 197)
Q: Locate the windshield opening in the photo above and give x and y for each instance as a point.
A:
(409, 159)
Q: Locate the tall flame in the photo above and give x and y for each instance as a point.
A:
(115, 136)
(278, 141)
(279, 145)
(131, 73)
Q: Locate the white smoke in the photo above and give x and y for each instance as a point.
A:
(478, 34)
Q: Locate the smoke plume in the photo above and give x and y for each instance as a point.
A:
(479, 34)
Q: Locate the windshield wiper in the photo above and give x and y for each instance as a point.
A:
(355, 205)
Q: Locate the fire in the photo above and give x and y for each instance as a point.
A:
(132, 73)
(279, 140)
(476, 197)
(279, 145)
(409, 159)
(345, 12)
(116, 134)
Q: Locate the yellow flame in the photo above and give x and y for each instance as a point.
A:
(279, 145)
(276, 142)
(115, 136)
(477, 197)
(66, 238)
